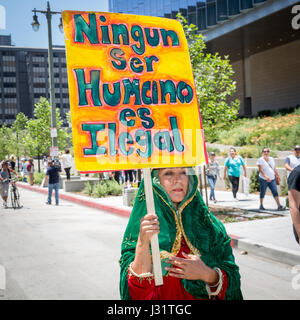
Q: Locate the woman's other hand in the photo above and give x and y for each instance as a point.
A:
(192, 268)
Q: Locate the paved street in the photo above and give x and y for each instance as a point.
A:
(72, 252)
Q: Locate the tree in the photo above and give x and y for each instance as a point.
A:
(38, 139)
(5, 141)
(19, 134)
(213, 83)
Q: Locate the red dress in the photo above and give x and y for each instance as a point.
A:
(172, 289)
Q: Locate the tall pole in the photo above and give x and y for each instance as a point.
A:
(51, 75)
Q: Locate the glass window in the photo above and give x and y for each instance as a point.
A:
(246, 4)
(211, 13)
(201, 16)
(191, 15)
(222, 13)
(233, 7)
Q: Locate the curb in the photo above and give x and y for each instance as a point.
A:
(265, 250)
(83, 202)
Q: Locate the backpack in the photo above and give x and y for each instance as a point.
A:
(57, 164)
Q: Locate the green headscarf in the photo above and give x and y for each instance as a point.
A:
(203, 232)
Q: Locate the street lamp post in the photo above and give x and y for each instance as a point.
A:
(35, 25)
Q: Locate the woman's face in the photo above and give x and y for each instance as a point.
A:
(265, 153)
(232, 152)
(175, 181)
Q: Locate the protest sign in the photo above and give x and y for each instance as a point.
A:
(132, 95)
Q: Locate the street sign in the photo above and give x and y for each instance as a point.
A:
(53, 133)
(53, 151)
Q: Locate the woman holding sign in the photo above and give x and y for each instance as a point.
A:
(196, 255)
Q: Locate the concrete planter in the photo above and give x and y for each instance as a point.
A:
(128, 196)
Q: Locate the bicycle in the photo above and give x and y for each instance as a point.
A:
(14, 193)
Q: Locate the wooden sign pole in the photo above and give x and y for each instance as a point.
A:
(154, 240)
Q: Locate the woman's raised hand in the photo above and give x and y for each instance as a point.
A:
(149, 226)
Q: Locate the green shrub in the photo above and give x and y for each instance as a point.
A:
(88, 188)
(249, 152)
(113, 188)
(254, 182)
(38, 177)
(100, 190)
(106, 188)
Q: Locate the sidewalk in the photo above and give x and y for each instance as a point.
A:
(271, 238)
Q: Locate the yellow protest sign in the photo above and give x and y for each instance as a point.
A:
(132, 95)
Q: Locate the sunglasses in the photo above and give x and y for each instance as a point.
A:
(297, 149)
(266, 151)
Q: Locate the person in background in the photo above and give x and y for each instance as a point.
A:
(232, 165)
(5, 175)
(66, 160)
(294, 200)
(45, 164)
(30, 171)
(267, 177)
(12, 161)
(116, 176)
(128, 178)
(24, 172)
(212, 173)
(52, 176)
(293, 160)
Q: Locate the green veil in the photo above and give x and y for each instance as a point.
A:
(203, 232)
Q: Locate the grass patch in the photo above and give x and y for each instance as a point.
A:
(278, 132)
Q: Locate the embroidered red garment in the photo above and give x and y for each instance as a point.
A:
(172, 289)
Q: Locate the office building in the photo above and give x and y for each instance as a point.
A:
(261, 38)
(24, 79)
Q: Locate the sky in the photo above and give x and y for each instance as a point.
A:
(18, 18)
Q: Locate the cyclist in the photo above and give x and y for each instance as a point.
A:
(5, 176)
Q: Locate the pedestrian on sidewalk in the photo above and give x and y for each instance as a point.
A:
(196, 255)
(30, 171)
(66, 160)
(212, 174)
(12, 161)
(128, 178)
(5, 175)
(293, 160)
(233, 165)
(52, 176)
(294, 200)
(268, 178)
